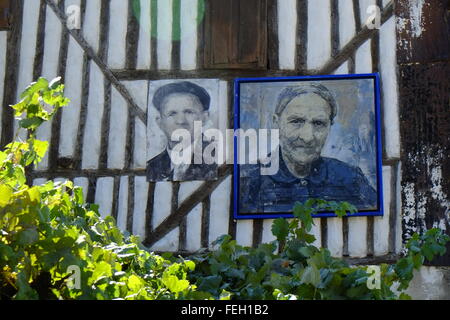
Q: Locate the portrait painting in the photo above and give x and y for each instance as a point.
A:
(327, 144)
(179, 111)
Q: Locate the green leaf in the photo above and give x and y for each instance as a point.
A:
(280, 229)
(30, 123)
(102, 269)
(174, 284)
(5, 194)
(27, 237)
(135, 283)
(40, 147)
(311, 275)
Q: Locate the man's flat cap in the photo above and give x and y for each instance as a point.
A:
(181, 87)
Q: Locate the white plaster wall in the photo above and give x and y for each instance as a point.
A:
(117, 131)
(52, 42)
(140, 206)
(139, 92)
(430, 283)
(319, 33)
(346, 22)
(91, 26)
(93, 128)
(287, 21)
(117, 34)
(381, 224)
(194, 218)
(388, 61)
(220, 210)
(335, 239)
(122, 209)
(83, 183)
(244, 232)
(364, 7)
(188, 37)
(145, 34)
(161, 210)
(27, 51)
(73, 80)
(164, 42)
(104, 195)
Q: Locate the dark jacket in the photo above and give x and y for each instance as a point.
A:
(330, 179)
(158, 169)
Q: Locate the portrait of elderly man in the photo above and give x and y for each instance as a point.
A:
(304, 115)
(179, 105)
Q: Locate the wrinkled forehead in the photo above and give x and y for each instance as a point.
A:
(307, 104)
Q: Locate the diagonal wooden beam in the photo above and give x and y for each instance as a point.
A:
(176, 217)
(350, 48)
(77, 35)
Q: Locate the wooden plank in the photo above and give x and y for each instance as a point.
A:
(236, 34)
(5, 14)
(422, 31)
(425, 128)
(175, 218)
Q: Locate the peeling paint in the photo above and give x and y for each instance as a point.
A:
(415, 11)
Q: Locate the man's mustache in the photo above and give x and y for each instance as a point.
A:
(299, 143)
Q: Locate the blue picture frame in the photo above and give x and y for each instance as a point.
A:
(241, 83)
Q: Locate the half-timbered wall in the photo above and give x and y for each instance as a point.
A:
(99, 141)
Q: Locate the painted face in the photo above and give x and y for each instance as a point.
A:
(179, 111)
(304, 126)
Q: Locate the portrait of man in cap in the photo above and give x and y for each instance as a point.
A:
(180, 105)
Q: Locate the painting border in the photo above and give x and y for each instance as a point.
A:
(377, 94)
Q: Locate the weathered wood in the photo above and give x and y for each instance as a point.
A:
(357, 15)
(149, 209)
(350, 48)
(345, 251)
(5, 14)
(53, 153)
(258, 225)
(132, 36)
(115, 204)
(78, 153)
(302, 36)
(425, 132)
(335, 40)
(324, 232)
(272, 35)
(176, 34)
(100, 62)
(206, 211)
(11, 72)
(229, 74)
(175, 218)
(236, 34)
(130, 206)
(106, 122)
(422, 31)
(40, 37)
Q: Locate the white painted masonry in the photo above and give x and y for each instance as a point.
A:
(287, 19)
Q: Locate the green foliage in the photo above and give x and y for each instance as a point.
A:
(49, 236)
(48, 231)
(292, 268)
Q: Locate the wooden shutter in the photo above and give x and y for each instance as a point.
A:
(4, 14)
(236, 34)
